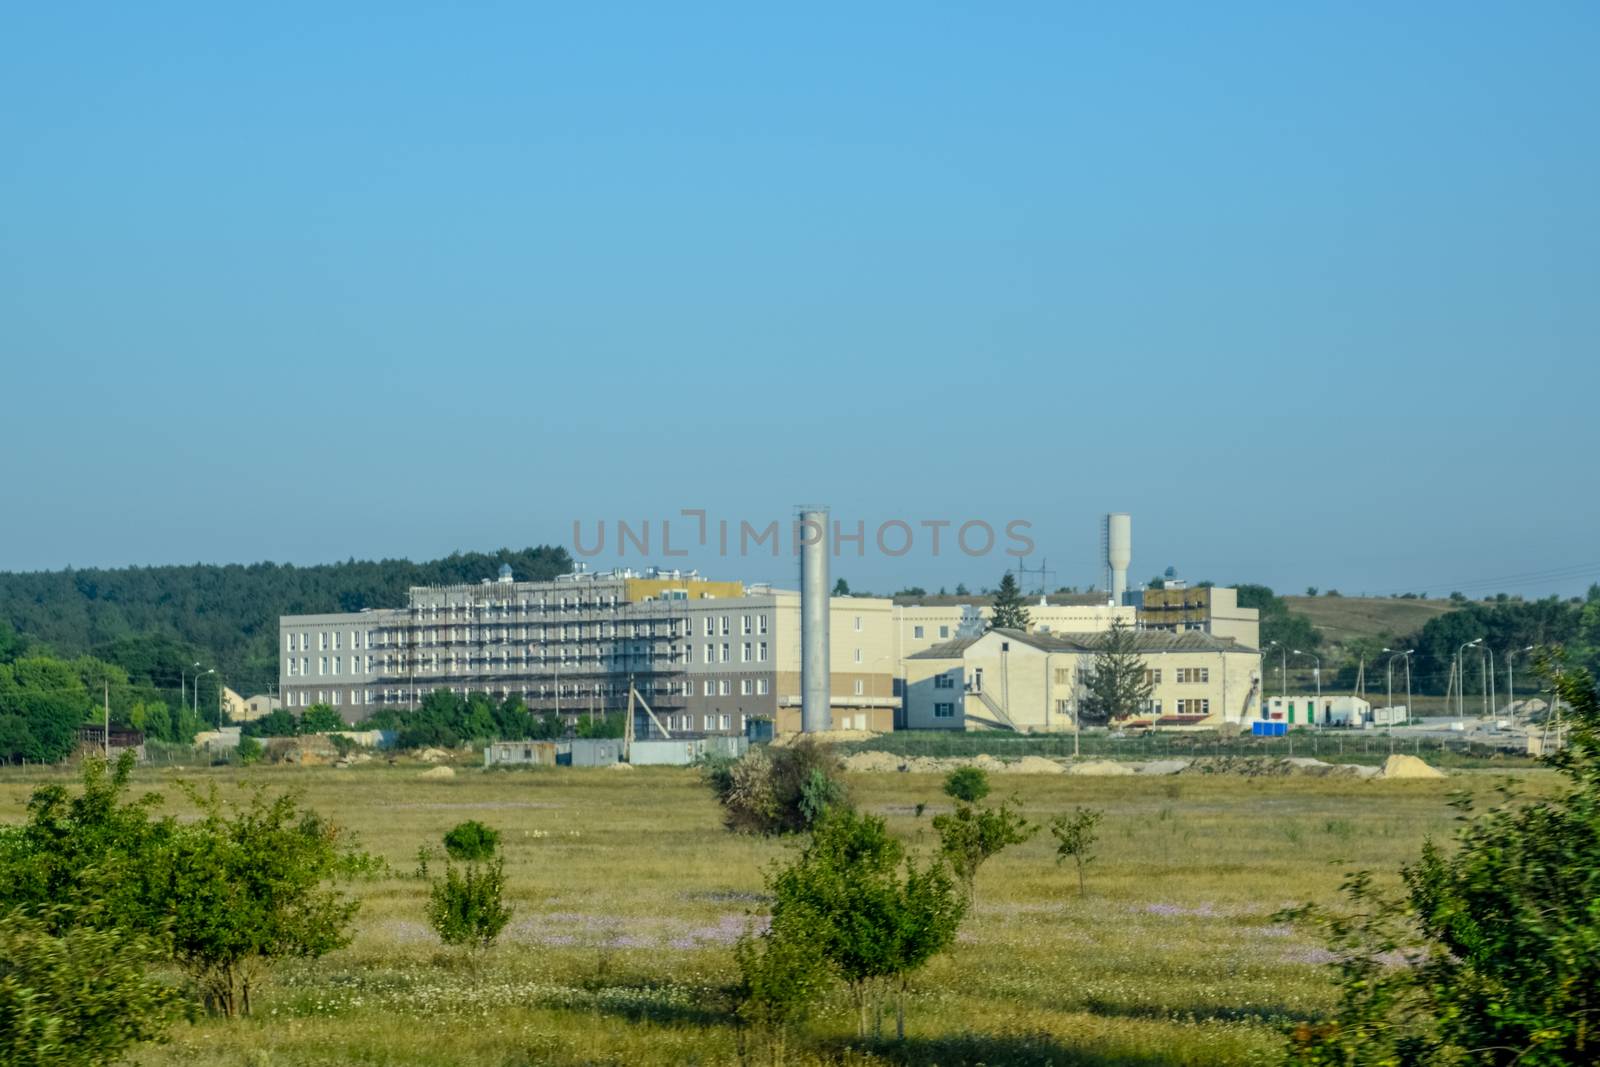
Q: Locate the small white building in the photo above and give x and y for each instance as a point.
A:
(1327, 710)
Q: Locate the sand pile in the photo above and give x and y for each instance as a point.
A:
(1408, 767)
(871, 762)
(432, 755)
(1033, 765)
(438, 773)
(619, 766)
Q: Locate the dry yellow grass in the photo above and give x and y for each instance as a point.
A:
(628, 892)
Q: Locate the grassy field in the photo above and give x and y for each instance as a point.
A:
(629, 893)
(1341, 618)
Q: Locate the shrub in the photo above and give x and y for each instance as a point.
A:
(970, 835)
(969, 784)
(467, 906)
(249, 751)
(779, 790)
(471, 841)
(82, 996)
(247, 886)
(1497, 937)
(780, 975)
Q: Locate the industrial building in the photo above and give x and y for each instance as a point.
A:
(1028, 682)
(1177, 607)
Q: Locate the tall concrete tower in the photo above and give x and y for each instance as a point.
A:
(1117, 539)
(816, 672)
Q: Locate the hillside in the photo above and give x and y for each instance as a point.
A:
(227, 615)
(1343, 618)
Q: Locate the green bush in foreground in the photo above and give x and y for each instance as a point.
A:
(779, 789)
(82, 997)
(1491, 954)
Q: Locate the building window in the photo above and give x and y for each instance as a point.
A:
(744, 652)
(858, 624)
(336, 665)
(944, 711)
(710, 626)
(710, 652)
(1194, 675)
(336, 640)
(861, 687)
(944, 631)
(1063, 675)
(761, 624)
(916, 631)
(336, 695)
(722, 722)
(761, 687)
(706, 689)
(725, 630)
(944, 681)
(322, 665)
(745, 687)
(761, 652)
(724, 687)
(1153, 676)
(322, 640)
(744, 624)
(727, 652)
(1194, 706)
(858, 655)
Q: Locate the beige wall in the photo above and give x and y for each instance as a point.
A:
(943, 623)
(1005, 681)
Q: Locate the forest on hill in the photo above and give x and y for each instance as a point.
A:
(223, 616)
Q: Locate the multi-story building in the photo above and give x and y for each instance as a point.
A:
(1180, 608)
(706, 656)
(1008, 679)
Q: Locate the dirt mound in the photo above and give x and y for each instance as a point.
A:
(1100, 768)
(827, 737)
(872, 762)
(432, 755)
(1408, 767)
(438, 773)
(1033, 765)
(619, 766)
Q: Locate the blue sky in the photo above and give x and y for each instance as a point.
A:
(1308, 289)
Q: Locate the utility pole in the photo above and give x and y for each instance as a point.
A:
(105, 692)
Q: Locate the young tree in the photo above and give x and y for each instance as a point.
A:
(970, 835)
(841, 588)
(870, 923)
(1118, 685)
(1009, 610)
(467, 906)
(247, 886)
(969, 784)
(1498, 935)
(1075, 836)
(780, 975)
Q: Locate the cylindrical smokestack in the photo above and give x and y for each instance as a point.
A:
(1119, 553)
(815, 666)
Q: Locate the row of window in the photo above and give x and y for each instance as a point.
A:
(748, 624)
(916, 632)
(327, 665)
(713, 687)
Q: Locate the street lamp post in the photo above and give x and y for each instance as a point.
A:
(1406, 652)
(1461, 681)
(1283, 670)
(1316, 672)
(1511, 692)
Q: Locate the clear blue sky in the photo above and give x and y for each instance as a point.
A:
(1308, 289)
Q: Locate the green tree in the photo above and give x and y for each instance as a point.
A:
(841, 588)
(1009, 610)
(249, 885)
(467, 906)
(779, 790)
(1075, 836)
(874, 915)
(969, 836)
(1499, 934)
(78, 996)
(1118, 685)
(279, 722)
(780, 976)
(320, 719)
(969, 784)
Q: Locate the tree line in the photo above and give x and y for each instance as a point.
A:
(227, 615)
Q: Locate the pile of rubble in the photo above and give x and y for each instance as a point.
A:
(1240, 766)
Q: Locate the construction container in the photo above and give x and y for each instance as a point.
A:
(678, 752)
(519, 753)
(726, 747)
(590, 752)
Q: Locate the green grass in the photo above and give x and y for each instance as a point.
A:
(1332, 746)
(627, 891)
(1341, 618)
